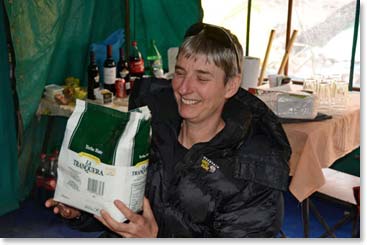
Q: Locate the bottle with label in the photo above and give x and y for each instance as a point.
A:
(136, 62)
(122, 66)
(93, 77)
(109, 71)
(123, 72)
(155, 61)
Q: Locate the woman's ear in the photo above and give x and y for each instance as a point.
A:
(232, 86)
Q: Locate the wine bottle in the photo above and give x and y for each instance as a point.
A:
(53, 167)
(122, 65)
(155, 61)
(41, 171)
(123, 71)
(51, 174)
(109, 71)
(93, 77)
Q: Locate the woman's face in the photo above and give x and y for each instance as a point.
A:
(199, 89)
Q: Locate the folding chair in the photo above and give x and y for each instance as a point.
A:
(339, 187)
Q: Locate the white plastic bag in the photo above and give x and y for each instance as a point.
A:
(104, 157)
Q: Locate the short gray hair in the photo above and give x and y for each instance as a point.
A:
(227, 57)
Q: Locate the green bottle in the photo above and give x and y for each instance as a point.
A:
(155, 61)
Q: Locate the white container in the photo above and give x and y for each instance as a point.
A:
(250, 72)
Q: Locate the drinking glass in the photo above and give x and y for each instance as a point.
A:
(324, 93)
(310, 84)
(341, 95)
(318, 77)
(331, 81)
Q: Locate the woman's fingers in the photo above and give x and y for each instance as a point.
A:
(62, 209)
(112, 224)
(100, 219)
(139, 225)
(148, 213)
(65, 211)
(56, 210)
(119, 230)
(50, 203)
(149, 216)
(68, 212)
(109, 221)
(128, 213)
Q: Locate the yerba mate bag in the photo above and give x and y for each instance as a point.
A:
(104, 157)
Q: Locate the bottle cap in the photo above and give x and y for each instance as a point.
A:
(52, 158)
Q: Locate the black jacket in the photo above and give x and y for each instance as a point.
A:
(228, 187)
(240, 194)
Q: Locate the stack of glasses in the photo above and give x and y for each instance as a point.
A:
(332, 91)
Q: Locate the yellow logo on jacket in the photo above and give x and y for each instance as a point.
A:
(208, 165)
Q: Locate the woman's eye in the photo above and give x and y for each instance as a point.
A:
(203, 79)
(179, 73)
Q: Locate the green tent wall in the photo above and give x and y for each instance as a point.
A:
(9, 180)
(51, 41)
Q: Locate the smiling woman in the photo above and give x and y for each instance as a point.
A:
(200, 93)
(207, 74)
(207, 176)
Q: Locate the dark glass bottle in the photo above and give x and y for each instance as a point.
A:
(41, 171)
(109, 71)
(56, 153)
(93, 77)
(123, 71)
(122, 65)
(136, 61)
(53, 167)
(51, 173)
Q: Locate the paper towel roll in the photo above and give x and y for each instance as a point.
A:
(250, 72)
(172, 54)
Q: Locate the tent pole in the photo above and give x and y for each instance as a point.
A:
(248, 27)
(355, 37)
(127, 28)
(289, 27)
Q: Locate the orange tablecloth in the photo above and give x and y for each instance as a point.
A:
(316, 145)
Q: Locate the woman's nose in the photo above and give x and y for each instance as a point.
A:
(185, 85)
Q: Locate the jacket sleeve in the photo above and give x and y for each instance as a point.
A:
(257, 211)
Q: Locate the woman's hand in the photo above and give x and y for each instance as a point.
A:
(139, 226)
(60, 208)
